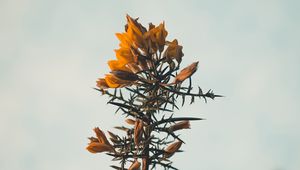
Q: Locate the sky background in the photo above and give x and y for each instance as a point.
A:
(52, 52)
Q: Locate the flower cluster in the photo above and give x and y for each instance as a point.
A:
(147, 65)
(138, 50)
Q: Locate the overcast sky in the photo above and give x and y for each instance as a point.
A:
(52, 52)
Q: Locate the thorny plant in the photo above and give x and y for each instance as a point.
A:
(144, 84)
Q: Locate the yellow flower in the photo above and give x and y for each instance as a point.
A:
(180, 125)
(117, 65)
(135, 32)
(135, 165)
(124, 55)
(186, 72)
(157, 35)
(171, 149)
(174, 51)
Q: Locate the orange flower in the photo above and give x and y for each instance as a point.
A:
(115, 82)
(180, 125)
(117, 65)
(135, 32)
(171, 149)
(124, 55)
(186, 72)
(135, 165)
(174, 51)
(157, 35)
(99, 144)
(138, 131)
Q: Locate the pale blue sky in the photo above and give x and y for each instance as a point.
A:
(51, 53)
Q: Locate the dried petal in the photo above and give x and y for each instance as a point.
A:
(171, 149)
(186, 72)
(101, 136)
(130, 121)
(138, 131)
(180, 125)
(174, 51)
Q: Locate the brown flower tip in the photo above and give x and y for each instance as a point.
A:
(101, 83)
(138, 131)
(186, 72)
(99, 144)
(171, 149)
(130, 121)
(135, 165)
(180, 125)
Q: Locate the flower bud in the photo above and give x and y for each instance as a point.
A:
(186, 72)
(171, 149)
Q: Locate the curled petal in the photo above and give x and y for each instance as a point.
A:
(171, 149)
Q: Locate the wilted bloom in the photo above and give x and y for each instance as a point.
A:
(99, 144)
(135, 165)
(138, 131)
(171, 149)
(186, 72)
(180, 125)
(174, 51)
